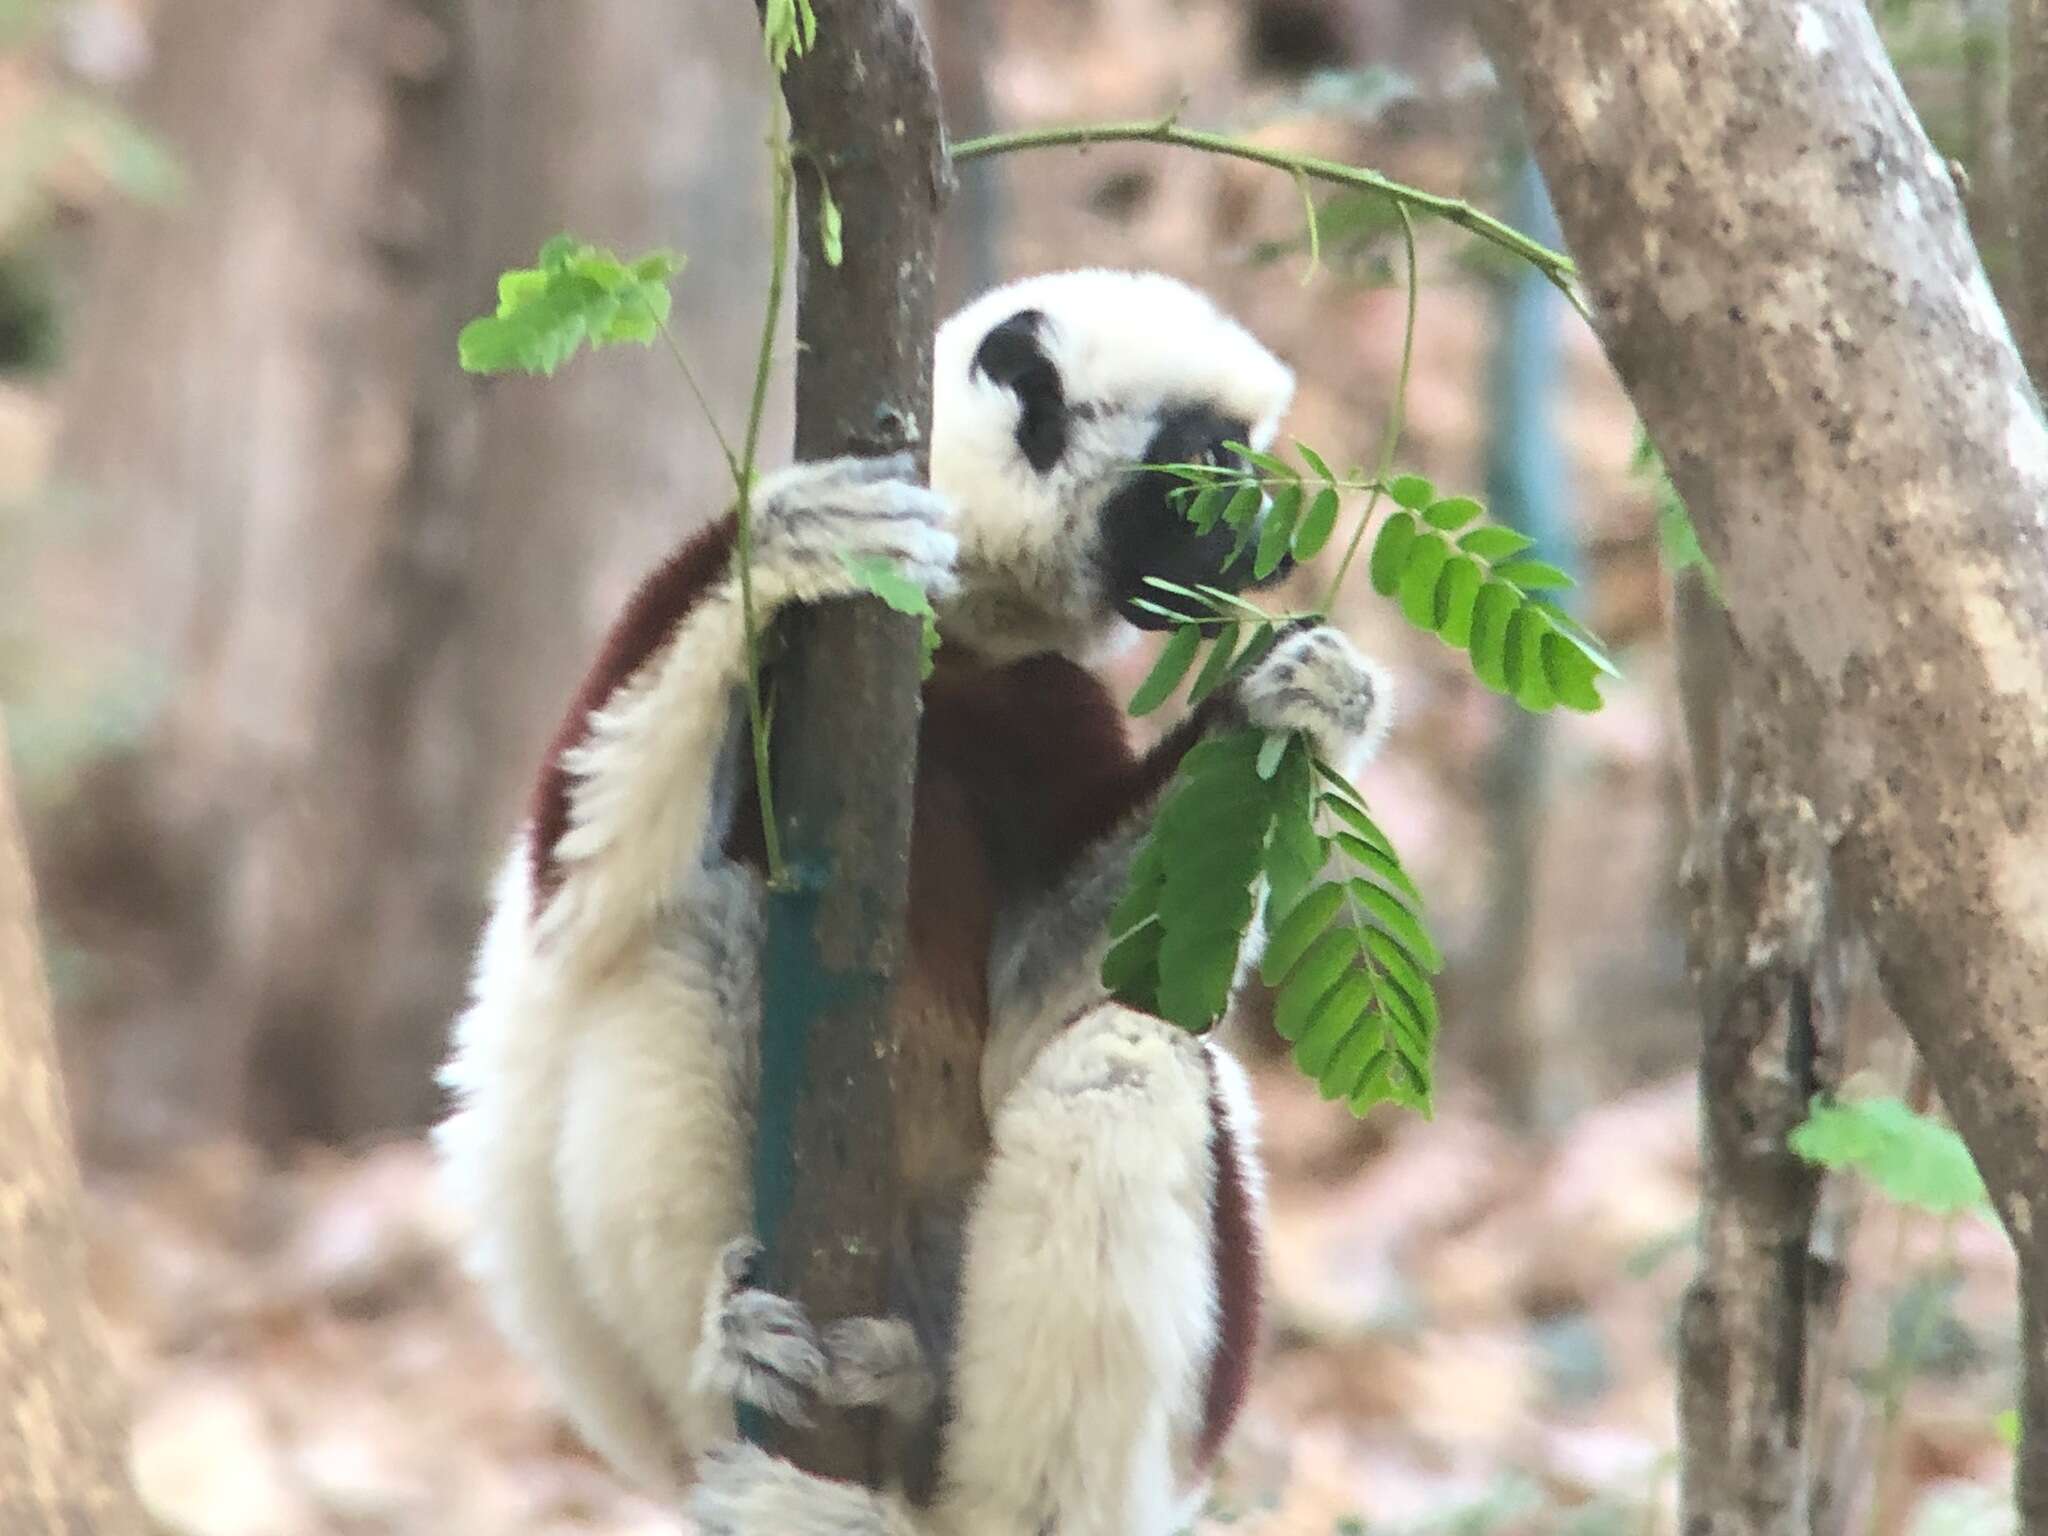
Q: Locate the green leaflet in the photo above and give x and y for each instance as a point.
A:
(1915, 1159)
(576, 295)
(884, 578)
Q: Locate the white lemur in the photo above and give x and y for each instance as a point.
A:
(603, 1074)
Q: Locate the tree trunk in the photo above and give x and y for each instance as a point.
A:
(2029, 113)
(373, 580)
(63, 1463)
(842, 1184)
(1783, 279)
(1770, 1006)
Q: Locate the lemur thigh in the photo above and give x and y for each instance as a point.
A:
(1088, 1314)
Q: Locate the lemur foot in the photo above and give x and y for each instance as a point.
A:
(741, 1490)
(758, 1347)
(808, 517)
(877, 1362)
(1316, 681)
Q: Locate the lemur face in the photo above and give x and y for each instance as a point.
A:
(1049, 395)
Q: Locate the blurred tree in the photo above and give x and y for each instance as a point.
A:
(62, 1461)
(369, 581)
(2029, 125)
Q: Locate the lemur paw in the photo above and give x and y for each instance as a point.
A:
(809, 517)
(877, 1362)
(1316, 681)
(759, 1348)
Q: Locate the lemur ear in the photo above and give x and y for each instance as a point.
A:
(1012, 356)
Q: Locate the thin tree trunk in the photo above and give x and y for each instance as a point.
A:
(2029, 113)
(841, 1180)
(1769, 1005)
(63, 1463)
(1784, 281)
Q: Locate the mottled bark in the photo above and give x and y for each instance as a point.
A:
(1770, 1002)
(63, 1463)
(2028, 98)
(837, 1057)
(1783, 279)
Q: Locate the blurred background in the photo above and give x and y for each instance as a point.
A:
(288, 606)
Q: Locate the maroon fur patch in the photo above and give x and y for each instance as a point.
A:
(1236, 1259)
(662, 602)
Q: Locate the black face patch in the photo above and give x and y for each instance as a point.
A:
(1011, 356)
(1145, 534)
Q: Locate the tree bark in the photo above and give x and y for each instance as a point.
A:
(1783, 279)
(63, 1462)
(2028, 98)
(841, 1181)
(1770, 1003)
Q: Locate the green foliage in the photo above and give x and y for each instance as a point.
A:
(575, 295)
(1348, 950)
(883, 577)
(1676, 536)
(1915, 1159)
(831, 227)
(787, 27)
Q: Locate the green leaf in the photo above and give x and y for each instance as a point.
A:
(1130, 971)
(1399, 924)
(1533, 575)
(1314, 461)
(882, 576)
(1381, 862)
(830, 228)
(1274, 466)
(1312, 978)
(1412, 491)
(1244, 505)
(1175, 657)
(1451, 513)
(1316, 525)
(1390, 550)
(1216, 665)
(1457, 592)
(2006, 1426)
(1208, 507)
(1525, 643)
(1418, 579)
(1308, 921)
(575, 295)
(1277, 532)
(1570, 673)
(1335, 1016)
(1493, 543)
(1360, 822)
(1269, 754)
(1496, 605)
(1915, 1159)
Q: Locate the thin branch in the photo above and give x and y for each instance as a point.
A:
(1553, 265)
(757, 718)
(1396, 409)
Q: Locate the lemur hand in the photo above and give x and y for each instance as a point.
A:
(808, 516)
(1315, 681)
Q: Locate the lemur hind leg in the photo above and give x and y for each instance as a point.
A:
(1089, 1318)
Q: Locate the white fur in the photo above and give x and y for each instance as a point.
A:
(604, 1070)
(1127, 345)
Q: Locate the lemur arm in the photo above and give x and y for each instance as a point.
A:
(603, 1072)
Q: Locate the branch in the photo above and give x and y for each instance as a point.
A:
(1167, 130)
(846, 679)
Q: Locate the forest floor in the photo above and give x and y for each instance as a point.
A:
(1469, 1336)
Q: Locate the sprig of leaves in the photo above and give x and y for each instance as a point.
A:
(787, 27)
(1350, 956)
(575, 295)
(1915, 1159)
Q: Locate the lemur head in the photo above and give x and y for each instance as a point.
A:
(1047, 395)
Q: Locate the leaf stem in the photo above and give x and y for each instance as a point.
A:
(732, 462)
(1554, 265)
(757, 719)
(1396, 409)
